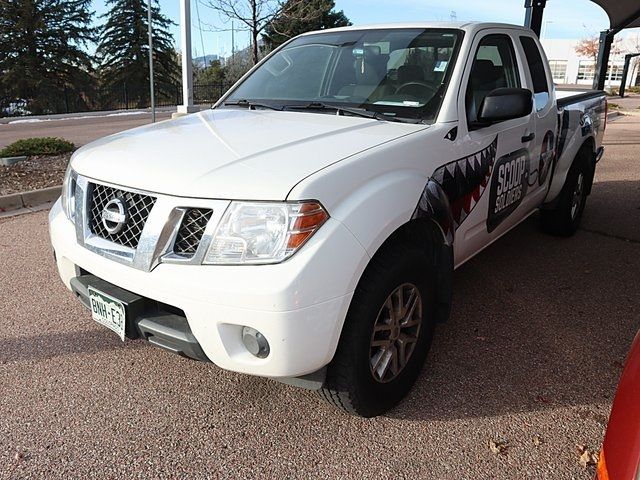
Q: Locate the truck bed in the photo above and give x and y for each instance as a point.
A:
(568, 97)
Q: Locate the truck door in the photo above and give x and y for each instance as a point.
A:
(543, 147)
(497, 154)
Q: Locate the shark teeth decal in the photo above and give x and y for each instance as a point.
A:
(465, 180)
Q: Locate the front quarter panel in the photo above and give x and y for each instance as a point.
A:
(376, 192)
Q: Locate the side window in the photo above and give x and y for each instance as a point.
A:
(494, 66)
(538, 74)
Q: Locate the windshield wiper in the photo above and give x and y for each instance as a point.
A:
(251, 105)
(359, 112)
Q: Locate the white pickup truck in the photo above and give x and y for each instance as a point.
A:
(307, 227)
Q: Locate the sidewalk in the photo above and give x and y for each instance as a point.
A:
(630, 102)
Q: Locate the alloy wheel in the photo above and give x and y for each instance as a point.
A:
(395, 333)
(576, 199)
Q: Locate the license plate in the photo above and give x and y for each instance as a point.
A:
(107, 311)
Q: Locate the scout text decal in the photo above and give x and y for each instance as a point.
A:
(508, 187)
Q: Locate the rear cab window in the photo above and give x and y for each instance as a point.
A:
(538, 74)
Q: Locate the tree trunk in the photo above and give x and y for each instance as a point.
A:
(254, 30)
(254, 54)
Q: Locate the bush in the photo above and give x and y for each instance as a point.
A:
(37, 146)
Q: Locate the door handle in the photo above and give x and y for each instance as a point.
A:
(528, 138)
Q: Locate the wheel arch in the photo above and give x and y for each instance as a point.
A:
(430, 227)
(426, 233)
(586, 152)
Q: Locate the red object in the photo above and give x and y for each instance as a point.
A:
(622, 440)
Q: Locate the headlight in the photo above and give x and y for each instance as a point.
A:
(68, 193)
(260, 232)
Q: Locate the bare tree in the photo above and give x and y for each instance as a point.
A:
(253, 15)
(300, 17)
(589, 47)
(635, 65)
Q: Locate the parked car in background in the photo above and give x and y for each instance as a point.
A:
(15, 108)
(620, 454)
(307, 227)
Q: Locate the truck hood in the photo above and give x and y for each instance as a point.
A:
(232, 153)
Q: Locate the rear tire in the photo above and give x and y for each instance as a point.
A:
(387, 332)
(565, 218)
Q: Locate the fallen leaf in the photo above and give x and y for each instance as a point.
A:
(587, 457)
(498, 448)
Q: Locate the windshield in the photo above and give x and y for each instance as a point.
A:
(395, 72)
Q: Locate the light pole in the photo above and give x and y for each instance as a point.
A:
(151, 86)
(187, 64)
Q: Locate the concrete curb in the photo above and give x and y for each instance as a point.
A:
(9, 161)
(29, 200)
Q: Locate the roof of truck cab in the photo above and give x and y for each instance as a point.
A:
(466, 26)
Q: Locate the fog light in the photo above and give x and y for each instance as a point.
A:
(255, 342)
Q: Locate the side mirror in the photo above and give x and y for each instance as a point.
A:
(505, 104)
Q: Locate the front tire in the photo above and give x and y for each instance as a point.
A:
(387, 332)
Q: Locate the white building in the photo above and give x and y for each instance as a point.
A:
(568, 67)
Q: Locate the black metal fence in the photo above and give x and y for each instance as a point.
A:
(168, 97)
(125, 98)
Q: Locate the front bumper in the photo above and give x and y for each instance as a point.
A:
(147, 318)
(298, 305)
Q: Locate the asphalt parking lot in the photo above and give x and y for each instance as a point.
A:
(531, 357)
(78, 128)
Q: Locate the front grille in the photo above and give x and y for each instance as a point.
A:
(191, 231)
(138, 208)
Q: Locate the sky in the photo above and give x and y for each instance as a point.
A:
(560, 18)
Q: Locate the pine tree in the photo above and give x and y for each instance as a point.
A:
(213, 74)
(42, 60)
(123, 52)
(299, 17)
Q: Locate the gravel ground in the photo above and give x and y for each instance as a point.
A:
(33, 173)
(531, 356)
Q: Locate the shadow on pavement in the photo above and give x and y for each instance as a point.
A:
(538, 321)
(50, 345)
(614, 209)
